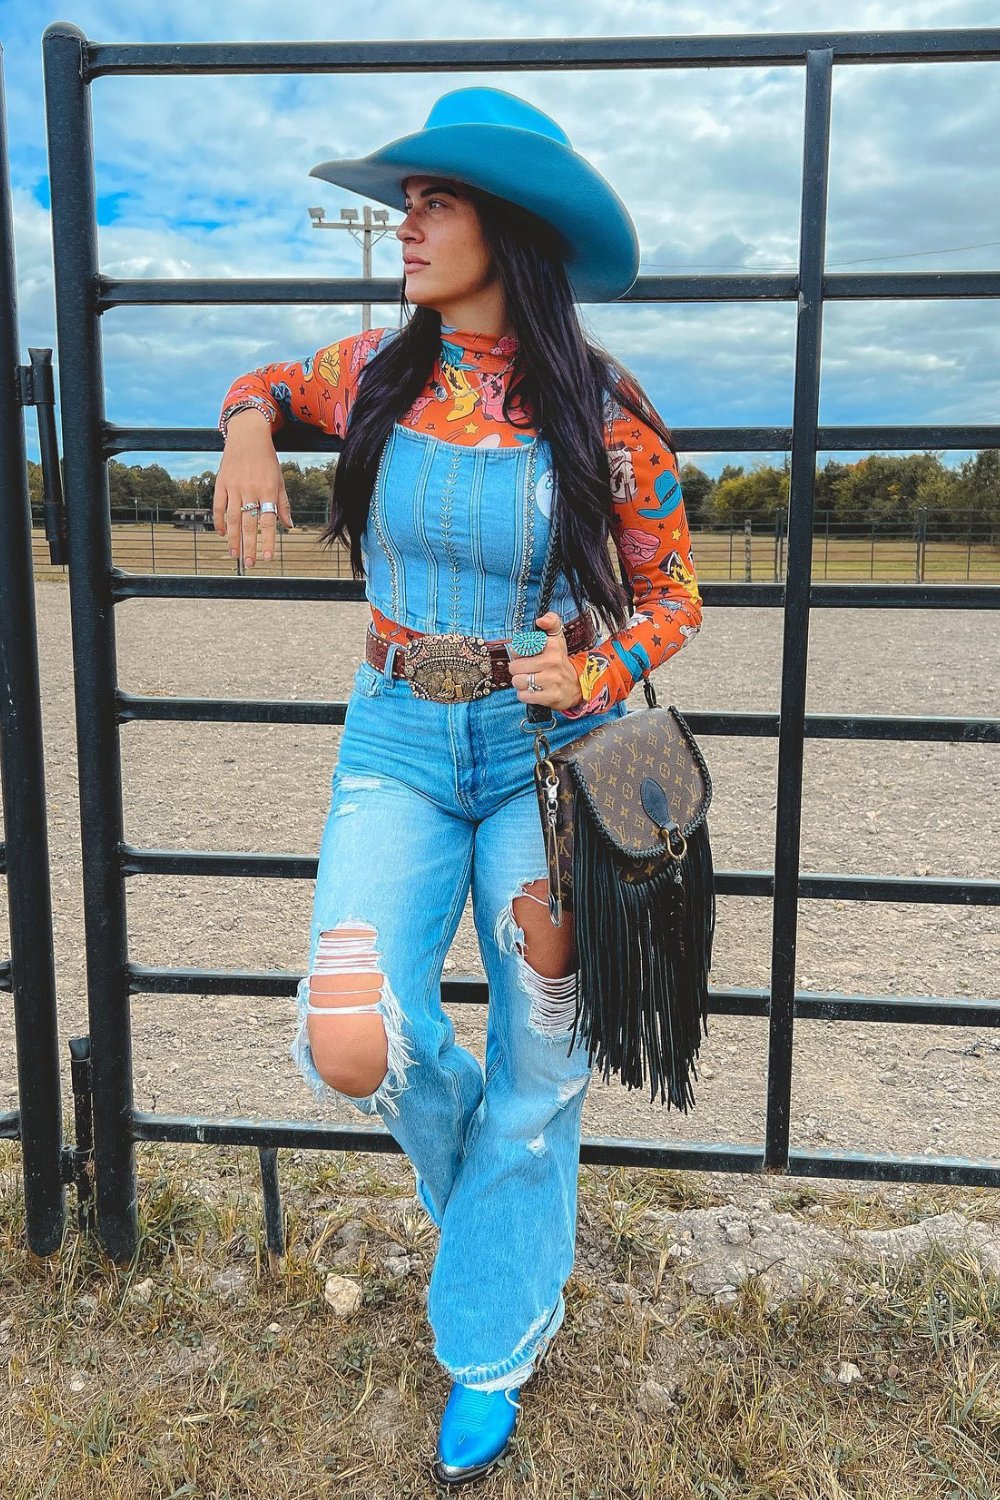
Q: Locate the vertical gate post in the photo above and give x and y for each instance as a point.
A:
(88, 534)
(23, 778)
(798, 589)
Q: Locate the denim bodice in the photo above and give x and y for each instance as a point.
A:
(456, 535)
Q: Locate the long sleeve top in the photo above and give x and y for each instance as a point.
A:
(463, 403)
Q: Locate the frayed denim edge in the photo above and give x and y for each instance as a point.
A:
(548, 1323)
(399, 1057)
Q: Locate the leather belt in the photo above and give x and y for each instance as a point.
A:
(450, 667)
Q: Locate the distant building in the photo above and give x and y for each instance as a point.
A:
(194, 520)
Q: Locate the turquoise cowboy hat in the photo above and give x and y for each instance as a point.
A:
(495, 141)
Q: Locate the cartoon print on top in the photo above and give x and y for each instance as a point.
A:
(544, 490)
(463, 403)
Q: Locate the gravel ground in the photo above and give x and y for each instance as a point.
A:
(906, 809)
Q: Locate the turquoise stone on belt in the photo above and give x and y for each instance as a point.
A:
(527, 642)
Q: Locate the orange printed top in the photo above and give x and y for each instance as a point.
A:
(463, 403)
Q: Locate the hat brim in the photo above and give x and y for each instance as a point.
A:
(542, 175)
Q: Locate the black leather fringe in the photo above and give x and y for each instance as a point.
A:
(645, 949)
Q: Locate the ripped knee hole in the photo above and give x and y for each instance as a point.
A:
(346, 981)
(549, 964)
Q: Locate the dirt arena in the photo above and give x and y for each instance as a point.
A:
(903, 809)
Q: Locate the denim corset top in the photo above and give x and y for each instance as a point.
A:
(456, 535)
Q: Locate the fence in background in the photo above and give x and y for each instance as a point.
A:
(99, 585)
(965, 549)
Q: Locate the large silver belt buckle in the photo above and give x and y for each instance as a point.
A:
(449, 668)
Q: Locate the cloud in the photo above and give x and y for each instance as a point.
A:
(208, 176)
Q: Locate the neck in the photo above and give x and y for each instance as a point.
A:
(483, 314)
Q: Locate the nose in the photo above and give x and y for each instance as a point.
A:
(406, 230)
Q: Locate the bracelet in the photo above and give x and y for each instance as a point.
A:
(250, 403)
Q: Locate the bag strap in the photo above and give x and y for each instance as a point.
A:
(535, 713)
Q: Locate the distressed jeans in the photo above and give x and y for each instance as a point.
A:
(428, 801)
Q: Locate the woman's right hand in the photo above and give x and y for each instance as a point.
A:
(249, 471)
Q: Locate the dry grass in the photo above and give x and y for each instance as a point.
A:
(198, 1370)
(166, 548)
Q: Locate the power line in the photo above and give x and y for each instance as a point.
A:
(866, 260)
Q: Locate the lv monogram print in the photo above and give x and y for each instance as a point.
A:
(623, 768)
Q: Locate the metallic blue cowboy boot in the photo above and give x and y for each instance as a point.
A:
(476, 1429)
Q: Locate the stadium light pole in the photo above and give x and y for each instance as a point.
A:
(370, 235)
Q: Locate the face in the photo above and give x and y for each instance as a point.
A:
(452, 268)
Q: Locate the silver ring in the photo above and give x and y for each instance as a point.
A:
(532, 684)
(268, 508)
(252, 505)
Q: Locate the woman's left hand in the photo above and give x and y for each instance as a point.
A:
(554, 672)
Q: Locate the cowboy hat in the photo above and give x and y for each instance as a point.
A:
(493, 140)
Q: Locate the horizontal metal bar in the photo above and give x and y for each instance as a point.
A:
(299, 438)
(882, 439)
(709, 1156)
(747, 286)
(783, 286)
(700, 1156)
(810, 1005)
(959, 1171)
(715, 595)
(879, 595)
(212, 863)
(145, 980)
(232, 586)
(134, 708)
(10, 1125)
(214, 1132)
(562, 54)
(896, 1010)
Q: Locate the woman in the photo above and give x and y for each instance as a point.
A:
(462, 430)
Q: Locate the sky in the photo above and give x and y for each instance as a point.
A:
(209, 176)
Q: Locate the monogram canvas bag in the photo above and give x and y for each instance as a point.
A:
(623, 811)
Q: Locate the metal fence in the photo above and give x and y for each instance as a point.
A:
(84, 296)
(966, 547)
(28, 975)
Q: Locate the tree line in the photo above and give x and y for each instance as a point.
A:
(880, 489)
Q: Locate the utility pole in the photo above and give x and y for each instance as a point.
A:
(371, 235)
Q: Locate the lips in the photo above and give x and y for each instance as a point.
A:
(413, 265)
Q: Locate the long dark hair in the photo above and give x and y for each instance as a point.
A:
(559, 377)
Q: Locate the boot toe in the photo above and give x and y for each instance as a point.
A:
(476, 1429)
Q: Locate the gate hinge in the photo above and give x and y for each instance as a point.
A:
(35, 386)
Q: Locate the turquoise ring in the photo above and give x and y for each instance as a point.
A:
(527, 642)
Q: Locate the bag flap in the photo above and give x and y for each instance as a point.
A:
(638, 773)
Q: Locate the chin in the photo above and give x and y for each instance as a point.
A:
(421, 298)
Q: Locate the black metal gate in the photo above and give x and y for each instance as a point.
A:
(29, 975)
(83, 295)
